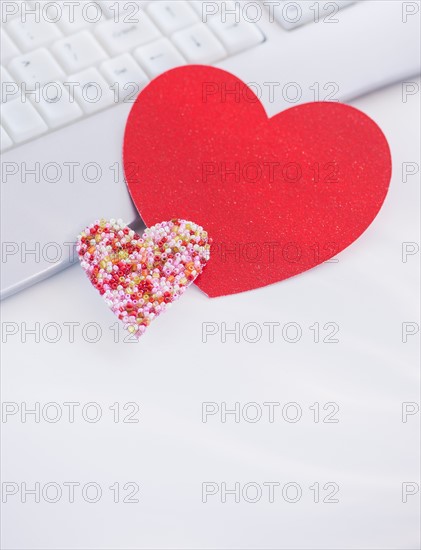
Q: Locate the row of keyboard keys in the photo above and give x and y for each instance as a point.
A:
(71, 16)
(80, 51)
(35, 69)
(84, 49)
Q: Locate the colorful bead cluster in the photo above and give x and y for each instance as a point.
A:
(140, 276)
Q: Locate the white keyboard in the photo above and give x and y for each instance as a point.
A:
(62, 61)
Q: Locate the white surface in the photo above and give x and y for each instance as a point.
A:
(369, 293)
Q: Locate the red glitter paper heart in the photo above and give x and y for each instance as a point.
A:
(139, 277)
(277, 195)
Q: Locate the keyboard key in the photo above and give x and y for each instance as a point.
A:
(122, 37)
(9, 88)
(158, 57)
(198, 44)
(77, 15)
(5, 140)
(78, 52)
(92, 92)
(22, 121)
(8, 48)
(291, 15)
(236, 37)
(35, 69)
(172, 16)
(57, 106)
(125, 76)
(31, 34)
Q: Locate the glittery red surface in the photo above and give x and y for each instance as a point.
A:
(278, 196)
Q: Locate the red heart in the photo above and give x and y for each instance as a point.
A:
(277, 195)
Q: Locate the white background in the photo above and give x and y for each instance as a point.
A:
(170, 452)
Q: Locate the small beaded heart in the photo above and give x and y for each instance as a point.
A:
(140, 276)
